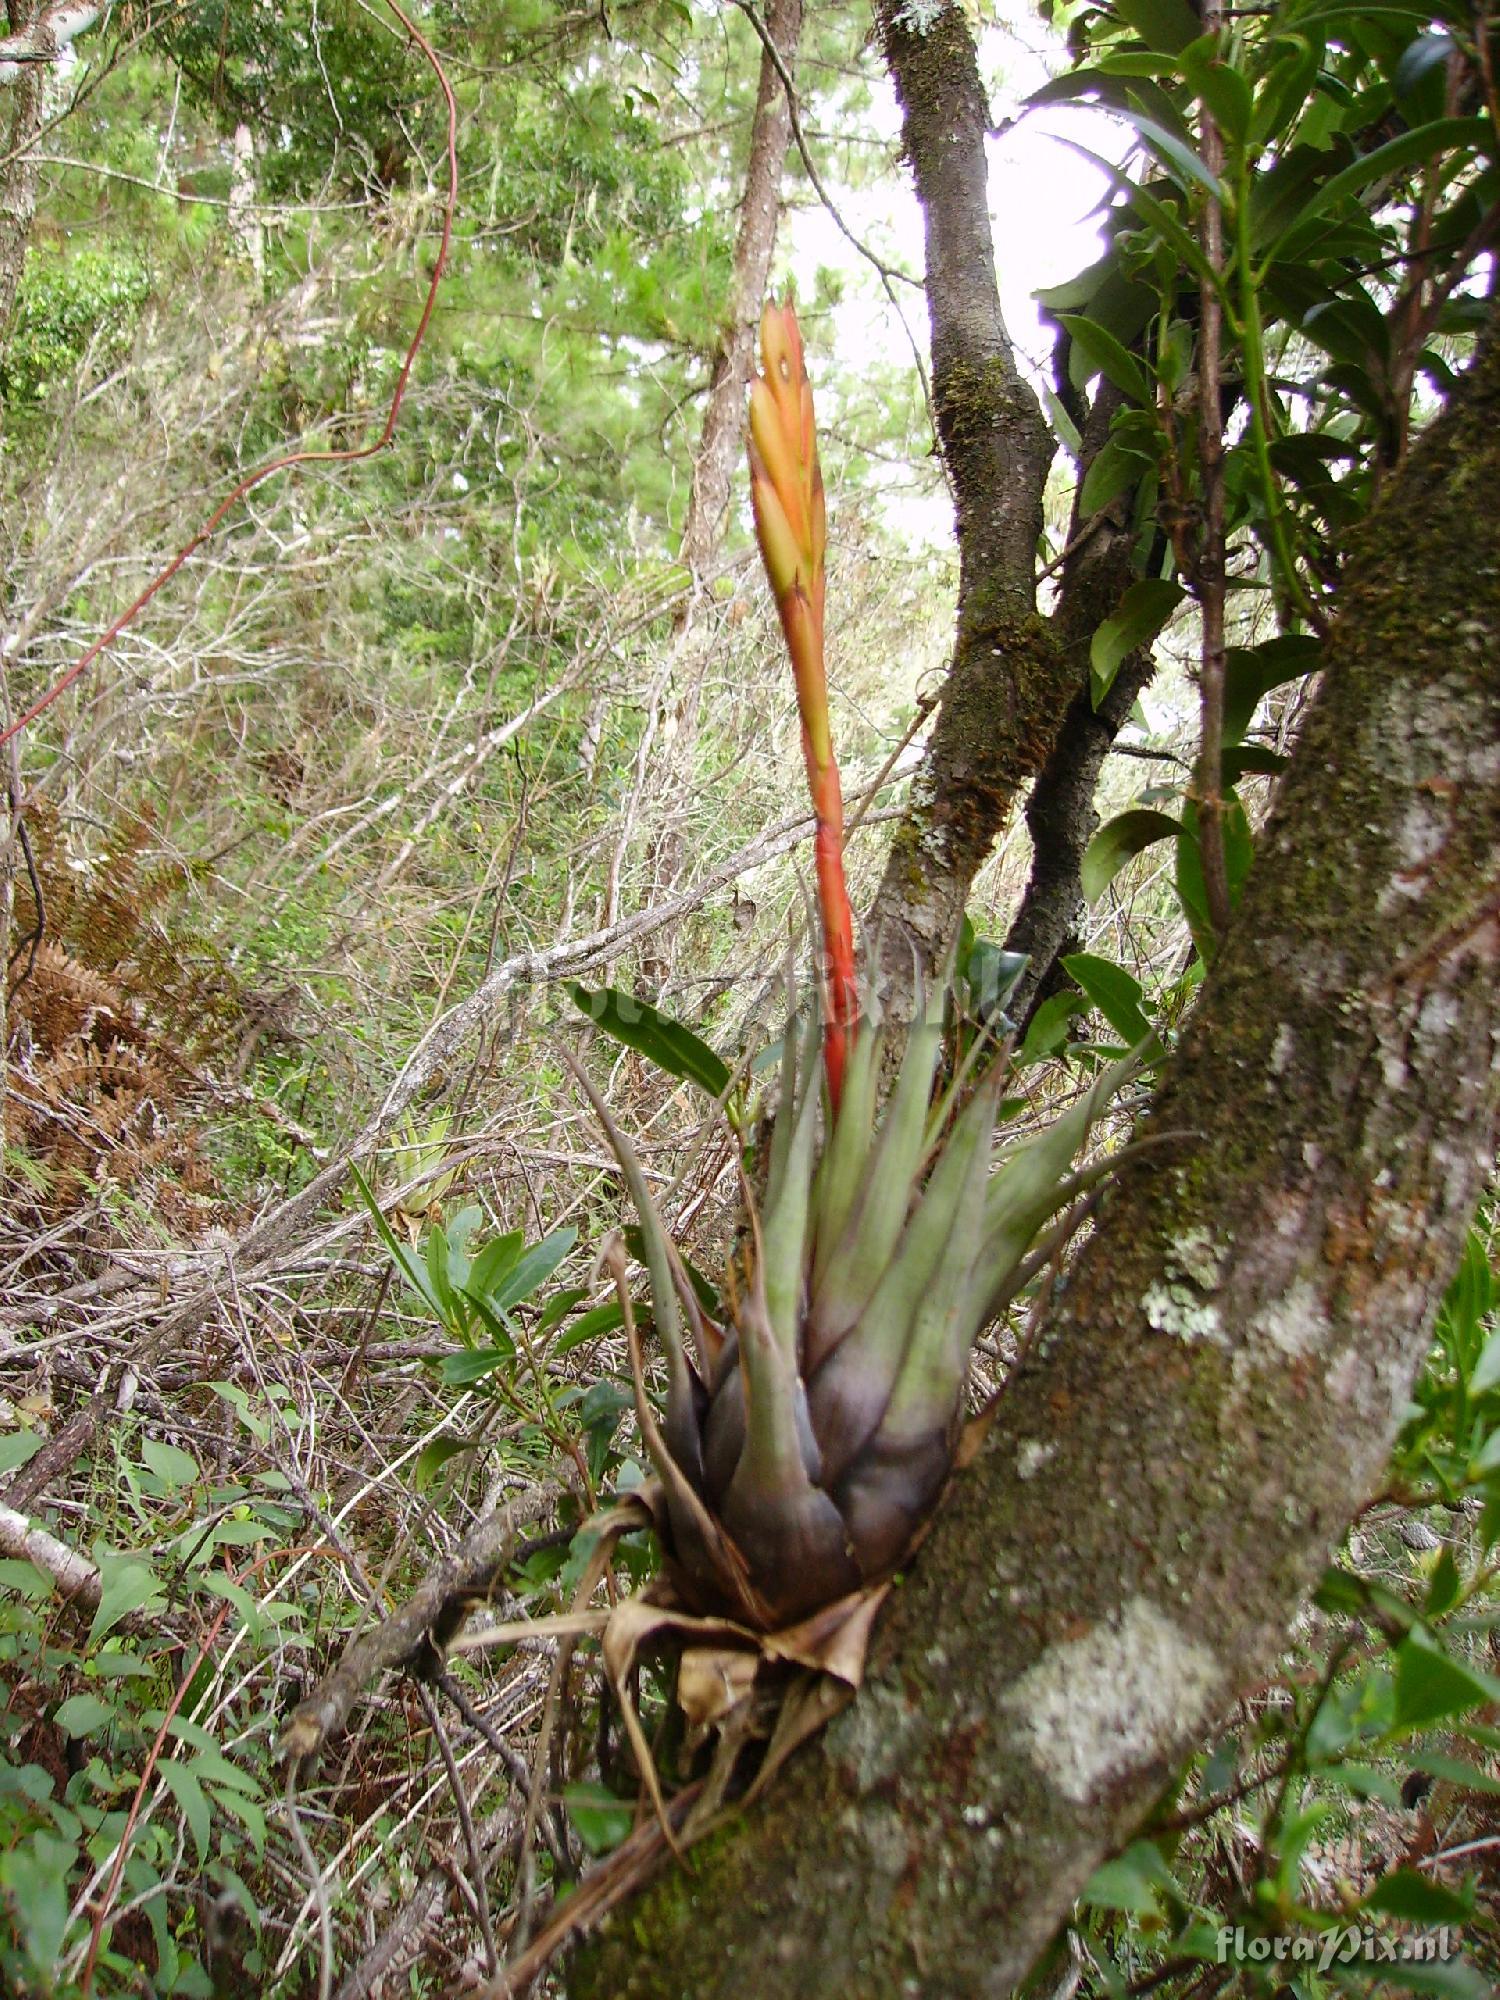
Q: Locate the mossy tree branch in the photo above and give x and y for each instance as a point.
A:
(1015, 675)
(1008, 683)
(1216, 1389)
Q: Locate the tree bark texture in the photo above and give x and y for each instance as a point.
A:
(1216, 1388)
(1008, 683)
(1061, 820)
(1060, 815)
(20, 175)
(721, 446)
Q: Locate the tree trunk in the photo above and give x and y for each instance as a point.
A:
(1009, 682)
(20, 175)
(1216, 1389)
(720, 448)
(1060, 815)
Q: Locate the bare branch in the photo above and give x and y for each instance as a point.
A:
(425, 1621)
(44, 41)
(75, 1576)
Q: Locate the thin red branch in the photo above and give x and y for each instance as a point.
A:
(112, 1887)
(284, 464)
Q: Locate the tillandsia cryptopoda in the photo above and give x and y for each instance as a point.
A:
(805, 1443)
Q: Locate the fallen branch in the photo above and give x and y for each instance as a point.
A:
(426, 1621)
(76, 1577)
(402, 1940)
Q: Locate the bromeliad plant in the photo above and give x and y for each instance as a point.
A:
(806, 1441)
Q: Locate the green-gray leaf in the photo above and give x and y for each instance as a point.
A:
(665, 1042)
(1124, 837)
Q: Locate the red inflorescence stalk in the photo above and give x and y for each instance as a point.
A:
(786, 489)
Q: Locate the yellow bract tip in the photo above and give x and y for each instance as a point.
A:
(783, 439)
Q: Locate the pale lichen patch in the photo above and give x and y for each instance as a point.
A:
(1393, 1068)
(876, 1736)
(1346, 1377)
(1128, 1691)
(1031, 1455)
(1179, 1311)
(921, 16)
(1198, 1257)
(1296, 1323)
(1439, 1015)
(1175, 1303)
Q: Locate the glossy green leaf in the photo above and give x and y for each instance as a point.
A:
(1417, 1899)
(1113, 470)
(84, 1714)
(1250, 760)
(1119, 841)
(406, 1263)
(1222, 89)
(1096, 351)
(991, 975)
(182, 1782)
(16, 1447)
(1048, 1031)
(1156, 213)
(1486, 1375)
(1454, 1771)
(1451, 1981)
(1144, 610)
(433, 1457)
(1432, 1684)
(1182, 164)
(1363, 1781)
(1420, 58)
(1131, 1882)
(127, 1583)
(494, 1264)
(558, 1307)
(1251, 672)
(1460, 137)
(665, 1042)
(472, 1364)
(1239, 851)
(172, 1466)
(1112, 990)
(591, 1326)
(1161, 24)
(1281, 97)
(437, 1273)
(602, 1820)
(34, 1877)
(532, 1269)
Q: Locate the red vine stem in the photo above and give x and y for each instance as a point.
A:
(112, 1887)
(284, 464)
